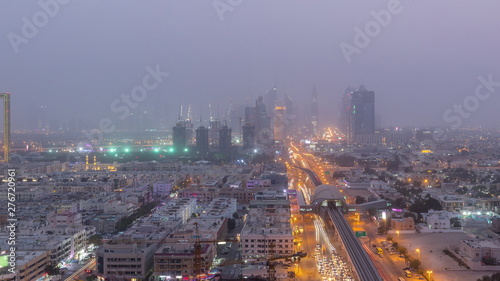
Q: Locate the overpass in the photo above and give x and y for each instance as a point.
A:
(360, 208)
(328, 200)
(312, 175)
(363, 265)
(324, 193)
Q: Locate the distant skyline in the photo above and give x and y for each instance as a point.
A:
(89, 53)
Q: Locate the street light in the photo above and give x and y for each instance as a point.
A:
(429, 272)
(418, 251)
(397, 232)
(384, 217)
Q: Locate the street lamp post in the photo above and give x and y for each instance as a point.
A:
(418, 251)
(397, 232)
(429, 272)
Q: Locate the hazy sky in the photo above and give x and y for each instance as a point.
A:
(89, 53)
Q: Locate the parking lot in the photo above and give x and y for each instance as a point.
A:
(431, 246)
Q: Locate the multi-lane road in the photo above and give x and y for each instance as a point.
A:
(364, 267)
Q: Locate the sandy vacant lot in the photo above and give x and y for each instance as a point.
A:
(431, 247)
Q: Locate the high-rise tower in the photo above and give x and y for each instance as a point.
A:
(248, 135)
(345, 111)
(202, 145)
(6, 126)
(362, 113)
(225, 139)
(279, 123)
(179, 136)
(290, 116)
(314, 111)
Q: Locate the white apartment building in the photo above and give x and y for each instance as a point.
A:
(267, 231)
(220, 208)
(177, 209)
(439, 220)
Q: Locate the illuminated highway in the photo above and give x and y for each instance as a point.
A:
(363, 265)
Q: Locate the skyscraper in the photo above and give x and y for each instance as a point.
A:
(314, 111)
(248, 135)
(263, 125)
(179, 136)
(290, 115)
(236, 120)
(271, 99)
(250, 115)
(345, 111)
(202, 145)
(279, 123)
(362, 114)
(213, 135)
(6, 126)
(225, 139)
(187, 124)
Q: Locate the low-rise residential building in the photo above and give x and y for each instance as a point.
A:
(270, 195)
(31, 265)
(172, 260)
(495, 225)
(452, 203)
(476, 252)
(105, 223)
(260, 240)
(258, 183)
(403, 224)
(64, 218)
(177, 209)
(220, 208)
(161, 189)
(119, 207)
(438, 220)
(205, 195)
(126, 258)
(267, 230)
(378, 184)
(129, 255)
(491, 204)
(176, 255)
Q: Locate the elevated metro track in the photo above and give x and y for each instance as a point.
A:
(312, 175)
(363, 265)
